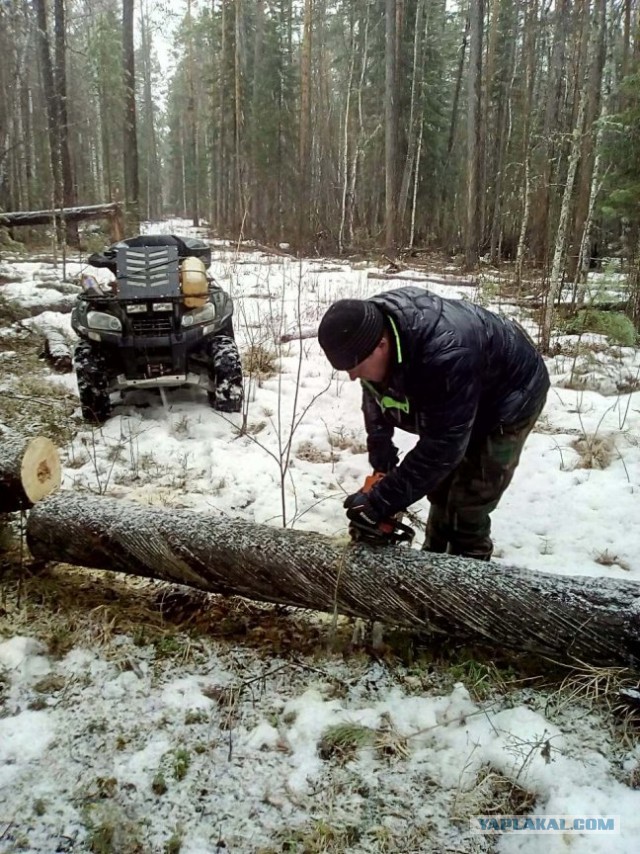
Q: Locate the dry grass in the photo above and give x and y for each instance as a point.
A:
(595, 452)
(310, 453)
(605, 558)
(609, 690)
(492, 794)
(260, 361)
(64, 606)
(10, 312)
(318, 837)
(389, 743)
(342, 741)
(31, 402)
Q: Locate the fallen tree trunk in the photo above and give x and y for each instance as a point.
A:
(594, 620)
(56, 350)
(299, 334)
(111, 211)
(428, 279)
(29, 471)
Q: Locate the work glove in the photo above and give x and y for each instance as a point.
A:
(363, 518)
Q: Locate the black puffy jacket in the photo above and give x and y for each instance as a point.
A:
(459, 373)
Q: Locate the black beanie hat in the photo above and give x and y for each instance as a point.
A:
(350, 331)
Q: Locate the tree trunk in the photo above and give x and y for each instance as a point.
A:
(448, 184)
(562, 234)
(474, 121)
(584, 256)
(257, 200)
(29, 471)
(587, 155)
(154, 170)
(69, 196)
(346, 140)
(530, 26)
(53, 119)
(220, 206)
(240, 72)
(304, 138)
(416, 116)
(548, 146)
(192, 128)
(131, 187)
(391, 128)
(592, 620)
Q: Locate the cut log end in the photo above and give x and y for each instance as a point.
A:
(40, 470)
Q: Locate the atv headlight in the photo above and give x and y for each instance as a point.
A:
(200, 315)
(104, 321)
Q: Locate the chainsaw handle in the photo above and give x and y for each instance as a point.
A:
(372, 480)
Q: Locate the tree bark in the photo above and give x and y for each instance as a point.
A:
(593, 620)
(29, 471)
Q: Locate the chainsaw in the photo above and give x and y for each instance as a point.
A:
(389, 531)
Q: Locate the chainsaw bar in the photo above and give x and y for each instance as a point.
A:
(387, 533)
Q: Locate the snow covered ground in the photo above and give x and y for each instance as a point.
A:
(89, 739)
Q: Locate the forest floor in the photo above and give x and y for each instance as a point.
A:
(140, 717)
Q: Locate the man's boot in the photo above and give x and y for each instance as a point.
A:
(436, 535)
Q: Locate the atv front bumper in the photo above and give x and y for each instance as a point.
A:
(156, 360)
(165, 381)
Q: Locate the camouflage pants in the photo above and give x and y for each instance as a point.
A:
(459, 520)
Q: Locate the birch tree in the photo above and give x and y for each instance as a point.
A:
(557, 267)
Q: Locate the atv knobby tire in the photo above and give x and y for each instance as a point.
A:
(225, 373)
(91, 373)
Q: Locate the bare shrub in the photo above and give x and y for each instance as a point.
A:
(347, 440)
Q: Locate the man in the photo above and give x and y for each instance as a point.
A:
(471, 385)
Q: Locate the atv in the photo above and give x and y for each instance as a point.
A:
(163, 322)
